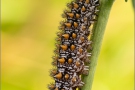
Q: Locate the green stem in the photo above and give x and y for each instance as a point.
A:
(98, 33)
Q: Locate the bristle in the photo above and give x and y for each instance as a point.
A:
(85, 19)
(68, 25)
(87, 1)
(83, 9)
(57, 45)
(77, 63)
(70, 15)
(75, 25)
(70, 60)
(85, 72)
(82, 39)
(69, 5)
(54, 57)
(58, 39)
(75, 5)
(66, 76)
(61, 27)
(56, 51)
(56, 88)
(66, 36)
(59, 34)
(64, 47)
(58, 76)
(62, 60)
(53, 72)
(51, 86)
(63, 15)
(54, 63)
(83, 27)
(72, 47)
(80, 50)
(74, 35)
(74, 79)
(77, 16)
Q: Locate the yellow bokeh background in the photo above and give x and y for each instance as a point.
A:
(28, 38)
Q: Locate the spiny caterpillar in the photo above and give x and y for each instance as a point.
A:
(72, 44)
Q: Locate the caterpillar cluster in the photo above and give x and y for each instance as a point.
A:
(72, 45)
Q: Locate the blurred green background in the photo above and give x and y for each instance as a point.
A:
(28, 33)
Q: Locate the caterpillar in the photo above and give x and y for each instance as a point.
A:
(71, 53)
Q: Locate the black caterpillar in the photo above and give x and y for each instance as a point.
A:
(72, 45)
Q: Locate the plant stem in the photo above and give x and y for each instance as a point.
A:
(98, 33)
